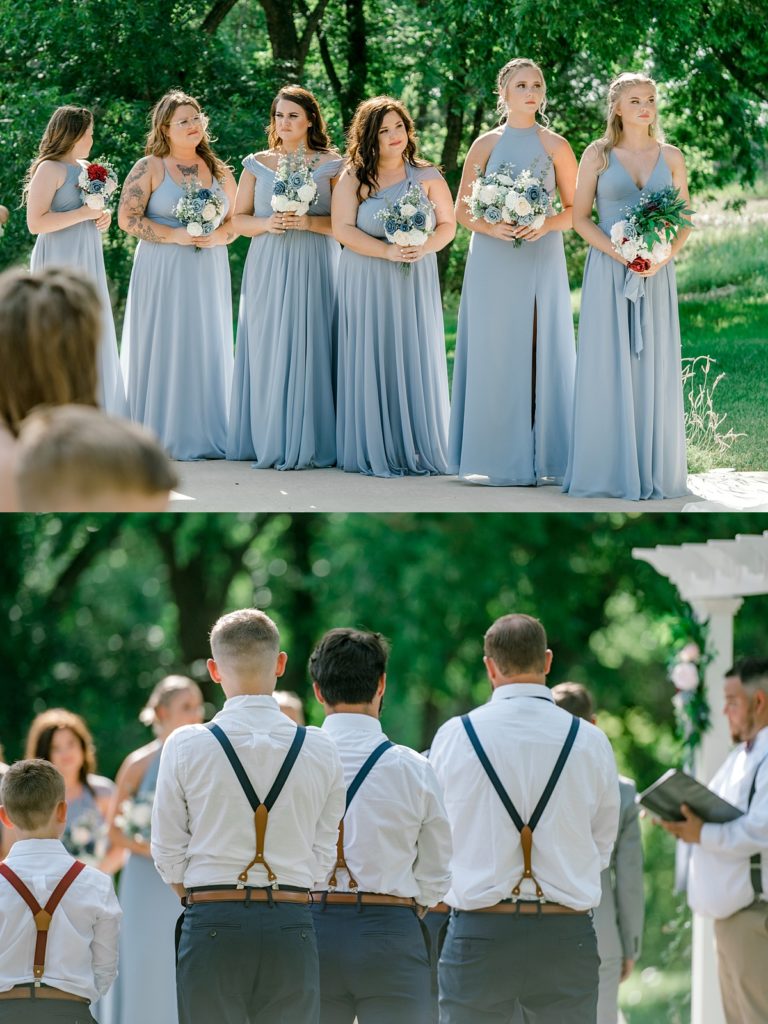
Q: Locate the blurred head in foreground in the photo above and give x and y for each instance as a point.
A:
(76, 459)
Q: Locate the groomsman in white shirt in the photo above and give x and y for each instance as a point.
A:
(533, 799)
(393, 849)
(244, 823)
(728, 871)
(59, 919)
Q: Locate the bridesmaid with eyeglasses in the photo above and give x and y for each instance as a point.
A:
(177, 349)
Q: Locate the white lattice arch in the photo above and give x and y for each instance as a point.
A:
(714, 578)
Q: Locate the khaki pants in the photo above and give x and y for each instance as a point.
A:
(742, 954)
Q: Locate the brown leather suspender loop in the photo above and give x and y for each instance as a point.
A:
(341, 861)
(42, 915)
(526, 842)
(260, 819)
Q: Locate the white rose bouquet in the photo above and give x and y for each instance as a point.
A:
(200, 210)
(85, 837)
(98, 183)
(409, 221)
(294, 189)
(501, 196)
(135, 817)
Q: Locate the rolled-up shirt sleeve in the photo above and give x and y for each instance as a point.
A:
(746, 835)
(104, 943)
(170, 818)
(327, 828)
(432, 868)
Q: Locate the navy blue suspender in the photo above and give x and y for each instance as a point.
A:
(260, 808)
(756, 860)
(356, 783)
(525, 829)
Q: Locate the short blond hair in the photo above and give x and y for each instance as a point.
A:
(30, 792)
(75, 454)
(245, 635)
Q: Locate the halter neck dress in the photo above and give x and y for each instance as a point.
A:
(511, 403)
(628, 438)
(283, 406)
(177, 350)
(79, 247)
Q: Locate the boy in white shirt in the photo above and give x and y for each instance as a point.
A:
(59, 919)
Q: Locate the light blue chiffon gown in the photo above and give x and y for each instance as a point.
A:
(79, 247)
(392, 405)
(512, 395)
(145, 987)
(628, 428)
(282, 412)
(177, 350)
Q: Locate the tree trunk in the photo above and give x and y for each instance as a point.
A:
(449, 159)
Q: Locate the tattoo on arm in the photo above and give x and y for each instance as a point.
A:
(134, 201)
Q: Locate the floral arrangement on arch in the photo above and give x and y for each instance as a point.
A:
(686, 673)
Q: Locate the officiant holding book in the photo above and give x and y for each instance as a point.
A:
(728, 876)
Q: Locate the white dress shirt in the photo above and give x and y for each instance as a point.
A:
(81, 954)
(202, 823)
(719, 876)
(397, 839)
(572, 842)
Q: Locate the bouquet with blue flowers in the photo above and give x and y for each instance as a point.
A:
(135, 817)
(98, 183)
(409, 221)
(502, 196)
(200, 210)
(294, 189)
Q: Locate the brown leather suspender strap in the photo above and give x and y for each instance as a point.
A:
(359, 779)
(260, 810)
(42, 915)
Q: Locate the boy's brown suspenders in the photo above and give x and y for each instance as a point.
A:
(42, 915)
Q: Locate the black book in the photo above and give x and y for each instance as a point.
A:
(664, 797)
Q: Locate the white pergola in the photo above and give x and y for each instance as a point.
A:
(714, 578)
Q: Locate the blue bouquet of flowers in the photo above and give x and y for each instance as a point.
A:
(200, 210)
(409, 221)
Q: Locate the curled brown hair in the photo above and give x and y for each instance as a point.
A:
(50, 331)
(47, 724)
(317, 133)
(66, 126)
(363, 140)
(157, 140)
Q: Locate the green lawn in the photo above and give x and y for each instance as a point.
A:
(651, 996)
(722, 279)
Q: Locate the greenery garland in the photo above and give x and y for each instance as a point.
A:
(692, 653)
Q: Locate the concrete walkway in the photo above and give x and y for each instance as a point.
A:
(235, 487)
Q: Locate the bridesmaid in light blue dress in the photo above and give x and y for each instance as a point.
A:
(177, 350)
(282, 411)
(145, 988)
(68, 231)
(515, 350)
(392, 402)
(628, 425)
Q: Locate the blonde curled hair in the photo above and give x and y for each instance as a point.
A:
(162, 695)
(614, 126)
(509, 69)
(157, 140)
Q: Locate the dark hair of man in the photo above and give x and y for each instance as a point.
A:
(734, 672)
(754, 673)
(575, 698)
(347, 665)
(30, 791)
(517, 643)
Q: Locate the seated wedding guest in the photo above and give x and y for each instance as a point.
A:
(63, 738)
(728, 871)
(533, 799)
(244, 868)
(145, 989)
(77, 459)
(618, 920)
(290, 704)
(49, 340)
(393, 850)
(73, 960)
